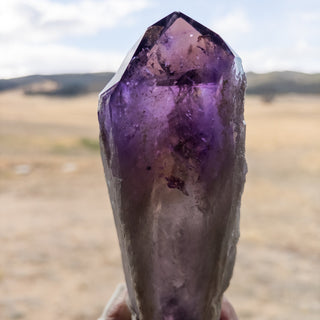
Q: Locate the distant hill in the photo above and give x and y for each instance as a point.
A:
(61, 84)
(283, 82)
(267, 84)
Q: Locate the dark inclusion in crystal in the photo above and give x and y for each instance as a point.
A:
(172, 144)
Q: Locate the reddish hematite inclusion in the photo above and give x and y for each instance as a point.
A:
(172, 144)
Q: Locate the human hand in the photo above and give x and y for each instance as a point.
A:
(227, 310)
(117, 308)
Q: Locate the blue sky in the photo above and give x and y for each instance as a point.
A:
(56, 36)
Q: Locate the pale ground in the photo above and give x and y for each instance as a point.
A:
(59, 252)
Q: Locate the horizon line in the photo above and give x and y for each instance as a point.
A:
(114, 72)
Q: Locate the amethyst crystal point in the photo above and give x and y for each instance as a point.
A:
(172, 144)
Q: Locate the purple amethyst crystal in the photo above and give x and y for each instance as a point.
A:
(172, 144)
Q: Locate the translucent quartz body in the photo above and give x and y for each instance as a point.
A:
(172, 143)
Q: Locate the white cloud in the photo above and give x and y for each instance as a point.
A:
(32, 34)
(300, 57)
(22, 59)
(45, 20)
(232, 24)
(30, 31)
(297, 49)
(310, 16)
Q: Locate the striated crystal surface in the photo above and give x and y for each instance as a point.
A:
(172, 139)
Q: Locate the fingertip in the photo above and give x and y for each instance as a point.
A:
(227, 310)
(117, 307)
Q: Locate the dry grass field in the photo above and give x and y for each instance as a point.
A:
(59, 252)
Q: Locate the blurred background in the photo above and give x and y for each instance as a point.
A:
(59, 252)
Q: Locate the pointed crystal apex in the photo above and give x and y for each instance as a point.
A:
(204, 31)
(167, 30)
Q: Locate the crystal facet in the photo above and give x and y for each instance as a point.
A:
(172, 143)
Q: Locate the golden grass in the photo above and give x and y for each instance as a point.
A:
(60, 257)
